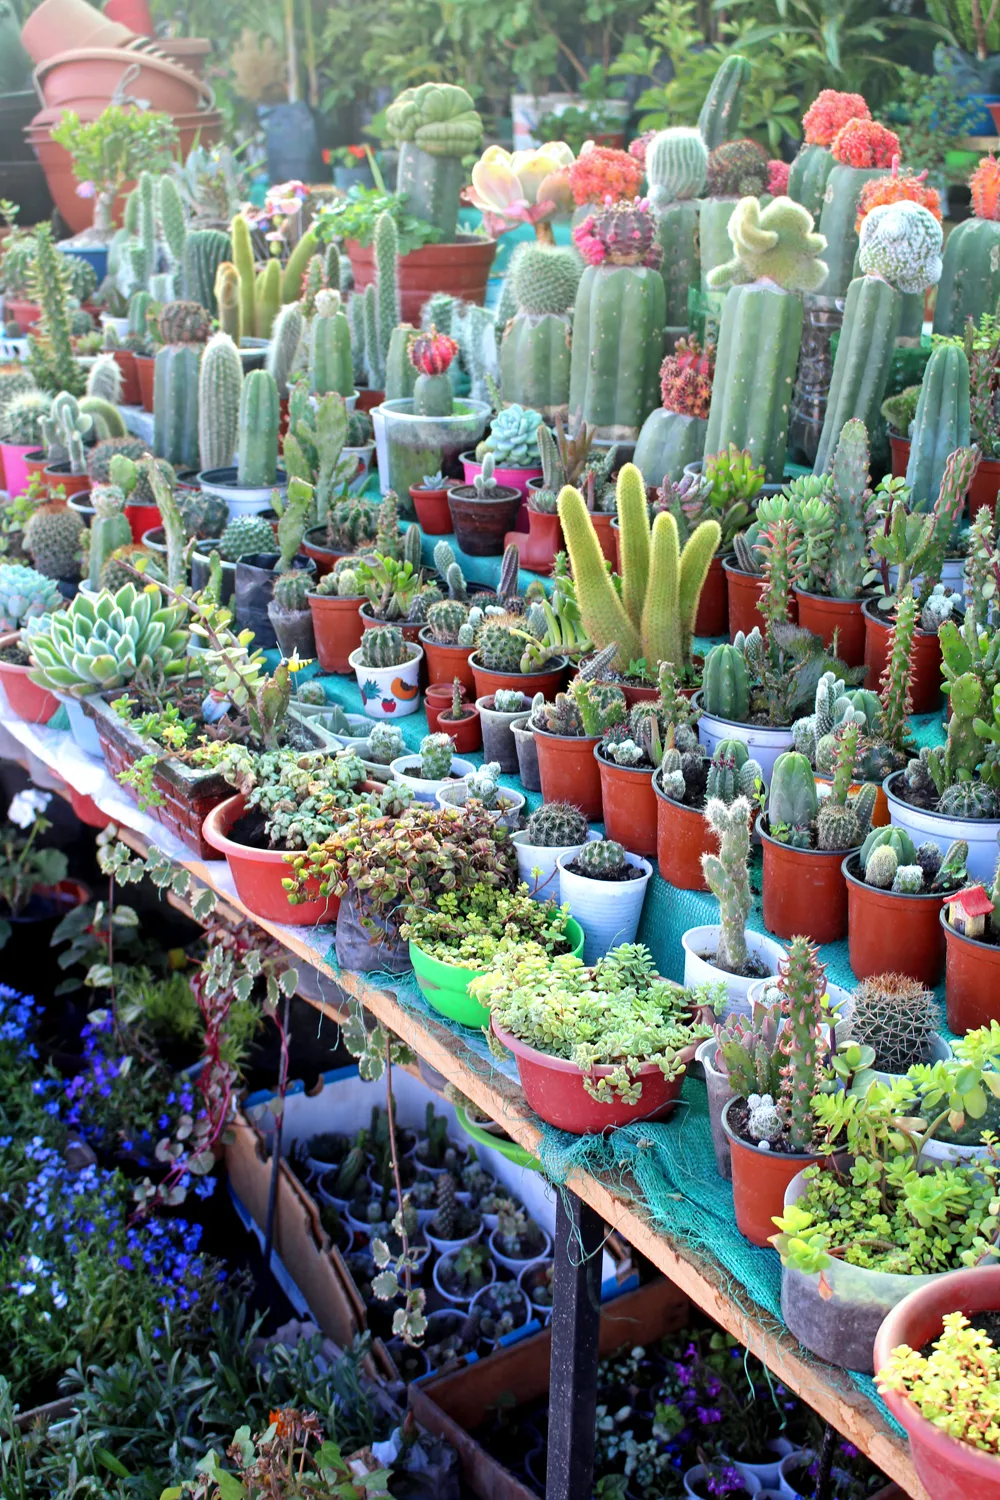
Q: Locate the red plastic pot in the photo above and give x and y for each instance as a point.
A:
(467, 733)
(445, 663)
(258, 873)
(87, 809)
(59, 24)
(805, 893)
(823, 615)
(629, 806)
(972, 981)
(487, 682)
(323, 557)
(411, 628)
(125, 360)
(743, 590)
(56, 475)
(368, 399)
(925, 660)
(145, 369)
(606, 526)
(539, 546)
(33, 704)
(142, 518)
(682, 837)
(134, 14)
(890, 933)
(984, 487)
(569, 773)
(462, 268)
(432, 511)
(189, 52)
(26, 314)
(900, 447)
(554, 1088)
(713, 606)
(338, 629)
(947, 1468)
(759, 1182)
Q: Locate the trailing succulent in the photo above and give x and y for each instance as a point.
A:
(479, 924)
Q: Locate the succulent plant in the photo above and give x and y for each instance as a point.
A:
(897, 1016)
(246, 535)
(729, 880)
(53, 540)
(291, 591)
(25, 594)
(118, 569)
(513, 438)
(184, 323)
(341, 582)
(22, 417)
(436, 751)
(498, 647)
(601, 859)
(103, 643)
(557, 825)
(508, 701)
(202, 515)
(733, 773)
(385, 743)
(385, 647)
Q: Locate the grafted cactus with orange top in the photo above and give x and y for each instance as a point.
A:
(686, 378)
(864, 143)
(898, 188)
(984, 185)
(970, 280)
(829, 111)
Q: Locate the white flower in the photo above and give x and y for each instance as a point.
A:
(34, 1264)
(27, 806)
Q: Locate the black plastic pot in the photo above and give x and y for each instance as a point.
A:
(200, 569)
(356, 950)
(294, 631)
(255, 575)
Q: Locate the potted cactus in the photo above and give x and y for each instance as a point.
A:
(55, 539)
(676, 169)
(458, 719)
(604, 887)
(351, 527)
(335, 604)
(427, 431)
(513, 440)
(973, 955)
(430, 501)
(448, 640)
(243, 536)
(184, 329)
(64, 432)
(387, 668)
(20, 435)
(735, 169)
(141, 508)
(894, 894)
(248, 486)
(483, 786)
(535, 346)
(434, 766)
(291, 616)
(812, 166)
(721, 488)
(526, 652)
(684, 782)
(483, 512)
(673, 435)
(24, 595)
(567, 732)
(497, 712)
(554, 829)
(970, 279)
(258, 572)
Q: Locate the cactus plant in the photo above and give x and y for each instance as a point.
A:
(283, 350)
(220, 383)
(50, 351)
(22, 417)
(897, 1017)
(245, 535)
(601, 859)
(184, 326)
(557, 825)
(970, 277)
(802, 985)
(433, 127)
(793, 802)
(673, 435)
(436, 751)
(291, 592)
(330, 365)
(736, 170)
(941, 424)
(812, 166)
(431, 353)
(535, 343)
(719, 117)
(445, 620)
(733, 773)
(385, 647)
(24, 594)
(109, 528)
(676, 168)
(257, 430)
(53, 539)
(862, 150)
(96, 644)
(729, 880)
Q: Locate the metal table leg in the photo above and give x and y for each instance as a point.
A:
(576, 1320)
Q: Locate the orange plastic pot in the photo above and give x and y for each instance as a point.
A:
(258, 873)
(125, 360)
(713, 606)
(925, 660)
(805, 893)
(947, 1469)
(461, 268)
(37, 465)
(466, 734)
(432, 511)
(629, 806)
(900, 447)
(971, 982)
(743, 591)
(445, 663)
(142, 518)
(369, 399)
(145, 369)
(539, 546)
(487, 682)
(759, 1182)
(568, 771)
(96, 72)
(823, 616)
(323, 557)
(87, 809)
(602, 523)
(682, 837)
(338, 628)
(890, 933)
(33, 704)
(984, 487)
(58, 475)
(25, 314)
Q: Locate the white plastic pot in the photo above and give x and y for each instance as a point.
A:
(696, 1483)
(980, 834)
(389, 692)
(242, 500)
(515, 1267)
(542, 857)
(939, 1051)
(949, 1153)
(82, 728)
(699, 969)
(767, 1475)
(456, 794)
(450, 1297)
(841, 1000)
(607, 910)
(449, 1247)
(363, 456)
(425, 791)
(763, 743)
(381, 448)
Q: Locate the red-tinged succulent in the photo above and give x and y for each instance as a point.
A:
(900, 187)
(686, 378)
(621, 234)
(603, 174)
(637, 148)
(830, 111)
(865, 143)
(985, 187)
(777, 178)
(432, 352)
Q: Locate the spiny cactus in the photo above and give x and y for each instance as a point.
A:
(562, 716)
(897, 1016)
(508, 701)
(802, 985)
(109, 529)
(729, 880)
(385, 741)
(291, 591)
(184, 323)
(498, 648)
(557, 825)
(601, 704)
(245, 535)
(385, 647)
(676, 165)
(733, 773)
(220, 384)
(601, 859)
(544, 278)
(902, 242)
(257, 430)
(436, 751)
(736, 169)
(445, 620)
(53, 539)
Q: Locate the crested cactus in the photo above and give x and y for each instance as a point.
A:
(330, 365)
(941, 424)
(802, 985)
(220, 384)
(109, 529)
(257, 430)
(729, 880)
(433, 127)
(557, 825)
(970, 276)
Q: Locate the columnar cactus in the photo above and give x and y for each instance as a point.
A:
(802, 985)
(227, 299)
(861, 149)
(204, 251)
(433, 127)
(729, 880)
(257, 430)
(942, 422)
(286, 336)
(220, 383)
(246, 270)
(970, 277)
(49, 284)
(436, 751)
(726, 684)
(676, 167)
(719, 118)
(792, 801)
(330, 364)
(814, 162)
(733, 773)
(894, 686)
(109, 529)
(535, 347)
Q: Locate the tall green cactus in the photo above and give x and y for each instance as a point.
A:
(227, 299)
(330, 364)
(849, 496)
(295, 266)
(836, 223)
(802, 984)
(433, 127)
(535, 347)
(970, 280)
(286, 336)
(246, 270)
(139, 306)
(729, 880)
(175, 404)
(173, 221)
(204, 252)
(808, 176)
(50, 355)
(617, 348)
(676, 167)
(864, 357)
(267, 298)
(386, 246)
(726, 684)
(399, 375)
(220, 383)
(173, 527)
(257, 435)
(941, 424)
(719, 119)
(109, 529)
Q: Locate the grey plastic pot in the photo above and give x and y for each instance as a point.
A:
(719, 1095)
(255, 575)
(498, 738)
(294, 631)
(356, 950)
(527, 754)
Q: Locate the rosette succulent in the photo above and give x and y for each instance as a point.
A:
(102, 643)
(24, 595)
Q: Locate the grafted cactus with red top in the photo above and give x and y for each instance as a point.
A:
(431, 353)
(828, 113)
(970, 280)
(686, 378)
(865, 143)
(984, 185)
(900, 187)
(621, 234)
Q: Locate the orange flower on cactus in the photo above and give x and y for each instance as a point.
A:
(686, 378)
(431, 353)
(985, 186)
(895, 189)
(830, 111)
(603, 175)
(864, 143)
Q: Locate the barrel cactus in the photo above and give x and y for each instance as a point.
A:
(535, 345)
(53, 539)
(601, 859)
(385, 647)
(557, 825)
(245, 535)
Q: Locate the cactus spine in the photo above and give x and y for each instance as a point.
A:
(618, 324)
(864, 355)
(941, 424)
(205, 250)
(330, 365)
(286, 335)
(719, 119)
(220, 383)
(258, 430)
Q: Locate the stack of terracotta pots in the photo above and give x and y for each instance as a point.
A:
(84, 60)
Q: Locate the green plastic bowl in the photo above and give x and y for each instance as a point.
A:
(513, 1152)
(445, 987)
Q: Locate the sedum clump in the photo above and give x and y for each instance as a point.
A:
(477, 926)
(299, 794)
(955, 1386)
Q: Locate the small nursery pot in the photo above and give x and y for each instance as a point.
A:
(529, 1280)
(554, 1087)
(529, 683)
(682, 837)
(389, 692)
(893, 933)
(900, 449)
(980, 834)
(713, 605)
(255, 579)
(538, 547)
(925, 660)
(522, 1311)
(432, 510)
(568, 772)
(947, 1468)
(145, 369)
(480, 525)
(324, 557)
(743, 593)
(514, 1264)
(824, 615)
(466, 734)
(719, 1092)
(508, 815)
(764, 743)
(543, 858)
(760, 1179)
(404, 767)
(452, 1298)
(411, 628)
(258, 873)
(804, 890)
(446, 662)
(56, 475)
(972, 980)
(242, 499)
(984, 487)
(141, 518)
(293, 631)
(607, 910)
(700, 946)
(629, 804)
(498, 739)
(527, 754)
(337, 628)
(33, 704)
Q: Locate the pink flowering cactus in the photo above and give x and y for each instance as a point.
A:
(621, 234)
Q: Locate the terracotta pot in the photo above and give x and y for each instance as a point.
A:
(60, 24)
(432, 511)
(95, 72)
(890, 933)
(543, 540)
(35, 705)
(461, 268)
(713, 606)
(189, 52)
(258, 873)
(338, 628)
(125, 360)
(629, 806)
(759, 1182)
(131, 13)
(947, 1468)
(445, 663)
(145, 369)
(37, 463)
(529, 683)
(984, 486)
(26, 314)
(823, 616)
(324, 557)
(568, 771)
(87, 810)
(743, 590)
(900, 455)
(925, 660)
(682, 837)
(368, 399)
(805, 893)
(606, 526)
(141, 518)
(480, 526)
(972, 981)
(634, 694)
(56, 475)
(466, 733)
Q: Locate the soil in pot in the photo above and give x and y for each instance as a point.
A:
(759, 1177)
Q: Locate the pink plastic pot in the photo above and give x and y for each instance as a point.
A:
(15, 467)
(515, 479)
